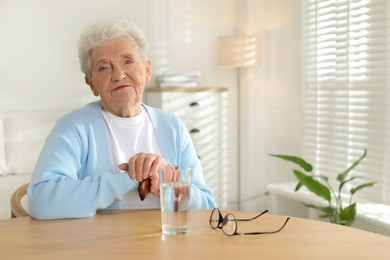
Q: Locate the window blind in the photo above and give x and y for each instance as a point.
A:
(347, 100)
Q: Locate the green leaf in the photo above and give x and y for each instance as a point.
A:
(297, 160)
(298, 187)
(360, 187)
(346, 181)
(322, 209)
(329, 212)
(313, 185)
(341, 177)
(347, 215)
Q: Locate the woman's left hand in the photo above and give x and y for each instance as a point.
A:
(144, 166)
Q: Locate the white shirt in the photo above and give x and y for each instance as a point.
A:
(127, 137)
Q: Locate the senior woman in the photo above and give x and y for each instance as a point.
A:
(96, 156)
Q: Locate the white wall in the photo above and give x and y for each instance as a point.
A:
(273, 97)
(285, 86)
(39, 66)
(38, 48)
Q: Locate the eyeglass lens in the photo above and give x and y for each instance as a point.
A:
(229, 225)
(215, 218)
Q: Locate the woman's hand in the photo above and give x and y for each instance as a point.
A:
(143, 166)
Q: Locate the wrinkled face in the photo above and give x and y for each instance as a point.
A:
(118, 76)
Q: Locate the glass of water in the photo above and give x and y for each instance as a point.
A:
(175, 186)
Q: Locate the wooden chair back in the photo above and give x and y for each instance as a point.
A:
(17, 209)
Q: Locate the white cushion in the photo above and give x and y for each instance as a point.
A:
(25, 137)
(3, 166)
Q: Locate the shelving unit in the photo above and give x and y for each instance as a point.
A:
(204, 112)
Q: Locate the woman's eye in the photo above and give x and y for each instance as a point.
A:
(103, 68)
(128, 61)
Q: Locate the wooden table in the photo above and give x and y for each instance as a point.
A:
(136, 234)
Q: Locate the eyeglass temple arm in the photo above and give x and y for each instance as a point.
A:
(249, 219)
(268, 232)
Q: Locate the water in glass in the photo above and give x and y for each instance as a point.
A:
(175, 208)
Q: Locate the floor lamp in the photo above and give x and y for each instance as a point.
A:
(236, 52)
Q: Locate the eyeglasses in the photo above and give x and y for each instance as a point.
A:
(228, 224)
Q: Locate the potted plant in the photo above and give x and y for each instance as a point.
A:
(337, 211)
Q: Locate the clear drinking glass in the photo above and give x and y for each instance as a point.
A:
(175, 186)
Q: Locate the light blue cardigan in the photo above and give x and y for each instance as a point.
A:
(73, 176)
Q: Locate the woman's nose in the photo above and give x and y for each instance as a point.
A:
(118, 74)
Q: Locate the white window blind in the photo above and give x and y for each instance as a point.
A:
(347, 46)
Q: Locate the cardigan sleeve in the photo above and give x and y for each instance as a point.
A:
(71, 179)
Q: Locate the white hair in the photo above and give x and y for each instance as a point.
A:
(96, 34)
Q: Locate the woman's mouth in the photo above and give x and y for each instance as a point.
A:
(120, 87)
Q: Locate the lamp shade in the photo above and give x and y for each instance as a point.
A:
(235, 51)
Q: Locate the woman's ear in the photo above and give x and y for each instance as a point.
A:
(148, 70)
(89, 82)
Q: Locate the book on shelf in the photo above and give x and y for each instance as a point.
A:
(178, 79)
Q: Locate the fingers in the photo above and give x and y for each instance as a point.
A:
(145, 165)
(123, 166)
(171, 174)
(155, 187)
